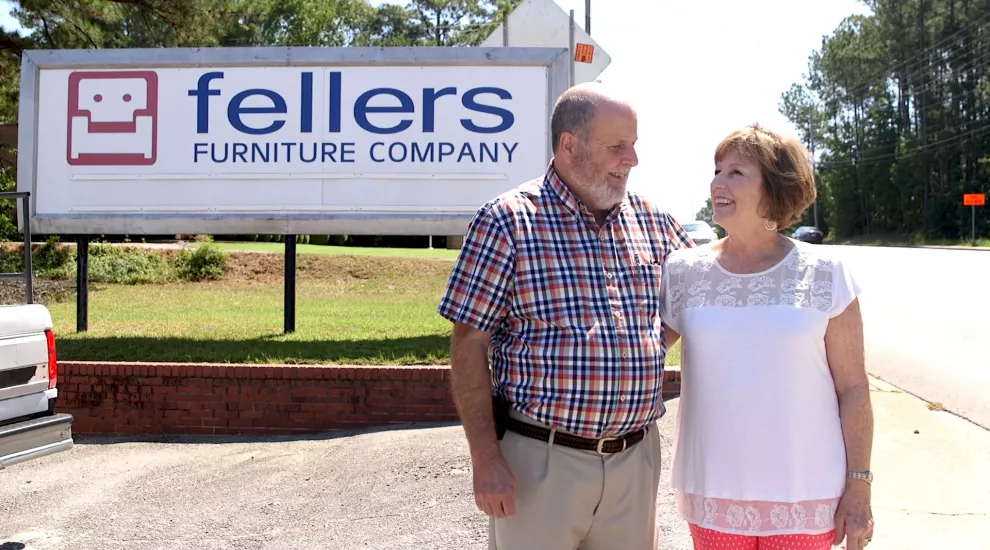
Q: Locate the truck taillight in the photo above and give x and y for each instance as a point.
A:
(52, 360)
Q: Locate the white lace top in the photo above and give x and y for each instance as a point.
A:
(759, 447)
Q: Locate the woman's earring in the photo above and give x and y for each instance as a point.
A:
(770, 225)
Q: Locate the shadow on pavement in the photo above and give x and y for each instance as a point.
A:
(329, 435)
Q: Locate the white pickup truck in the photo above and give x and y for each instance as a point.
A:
(29, 426)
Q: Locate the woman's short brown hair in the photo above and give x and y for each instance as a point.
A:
(788, 180)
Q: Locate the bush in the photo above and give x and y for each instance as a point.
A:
(321, 240)
(206, 262)
(128, 266)
(48, 261)
(52, 261)
(11, 261)
(8, 231)
(8, 182)
(109, 264)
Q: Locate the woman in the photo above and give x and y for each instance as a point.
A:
(775, 422)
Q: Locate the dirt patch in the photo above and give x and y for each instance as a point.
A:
(46, 292)
(270, 268)
(264, 268)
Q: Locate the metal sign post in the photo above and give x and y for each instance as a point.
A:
(570, 49)
(587, 17)
(973, 200)
(28, 273)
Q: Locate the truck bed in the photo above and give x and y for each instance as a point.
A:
(29, 424)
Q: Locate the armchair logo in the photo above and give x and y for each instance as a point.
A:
(113, 118)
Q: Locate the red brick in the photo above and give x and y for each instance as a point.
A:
(221, 399)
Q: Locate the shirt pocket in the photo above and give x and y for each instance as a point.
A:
(554, 296)
(647, 278)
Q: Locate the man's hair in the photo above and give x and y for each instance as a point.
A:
(573, 113)
(788, 179)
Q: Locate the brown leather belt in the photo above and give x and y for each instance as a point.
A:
(606, 445)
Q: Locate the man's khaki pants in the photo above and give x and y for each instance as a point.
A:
(568, 499)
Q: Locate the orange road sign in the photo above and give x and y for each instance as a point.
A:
(974, 199)
(584, 53)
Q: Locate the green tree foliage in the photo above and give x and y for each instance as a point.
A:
(8, 182)
(897, 107)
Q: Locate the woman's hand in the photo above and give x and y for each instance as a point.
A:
(854, 516)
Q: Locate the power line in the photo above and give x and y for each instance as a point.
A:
(886, 73)
(911, 153)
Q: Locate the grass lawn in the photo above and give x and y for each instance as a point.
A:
(279, 248)
(350, 310)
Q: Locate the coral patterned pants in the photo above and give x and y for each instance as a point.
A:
(707, 539)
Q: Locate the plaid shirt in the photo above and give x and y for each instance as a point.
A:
(577, 340)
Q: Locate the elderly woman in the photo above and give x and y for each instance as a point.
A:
(775, 424)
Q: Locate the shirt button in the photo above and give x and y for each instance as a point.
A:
(608, 274)
(622, 398)
(618, 314)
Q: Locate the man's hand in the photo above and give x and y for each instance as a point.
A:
(494, 487)
(854, 516)
(471, 384)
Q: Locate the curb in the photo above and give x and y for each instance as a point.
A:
(671, 382)
(879, 385)
(924, 247)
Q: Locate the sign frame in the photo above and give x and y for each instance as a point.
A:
(373, 222)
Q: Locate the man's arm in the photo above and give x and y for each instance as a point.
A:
(471, 385)
(476, 301)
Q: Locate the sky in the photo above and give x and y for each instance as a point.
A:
(695, 72)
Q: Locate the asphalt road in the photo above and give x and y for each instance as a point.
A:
(394, 489)
(927, 323)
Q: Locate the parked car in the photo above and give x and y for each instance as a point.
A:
(700, 232)
(29, 426)
(809, 234)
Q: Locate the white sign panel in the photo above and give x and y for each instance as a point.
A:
(379, 147)
(542, 23)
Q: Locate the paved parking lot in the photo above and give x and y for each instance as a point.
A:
(381, 489)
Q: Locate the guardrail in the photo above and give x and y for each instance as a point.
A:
(28, 274)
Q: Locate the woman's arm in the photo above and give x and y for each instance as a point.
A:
(846, 359)
(670, 336)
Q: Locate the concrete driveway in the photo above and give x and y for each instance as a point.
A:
(379, 489)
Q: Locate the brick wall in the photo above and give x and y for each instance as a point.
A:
(169, 398)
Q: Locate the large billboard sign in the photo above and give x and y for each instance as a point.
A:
(280, 140)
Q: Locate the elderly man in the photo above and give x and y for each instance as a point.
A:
(557, 285)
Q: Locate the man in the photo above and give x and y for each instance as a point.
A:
(557, 284)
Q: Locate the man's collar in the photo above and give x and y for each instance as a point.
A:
(572, 202)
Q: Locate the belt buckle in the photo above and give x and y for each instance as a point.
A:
(602, 441)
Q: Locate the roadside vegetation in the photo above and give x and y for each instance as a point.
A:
(205, 304)
(914, 241)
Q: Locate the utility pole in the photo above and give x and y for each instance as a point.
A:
(571, 50)
(587, 17)
(505, 26)
(814, 175)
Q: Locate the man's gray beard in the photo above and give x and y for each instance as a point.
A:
(603, 195)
